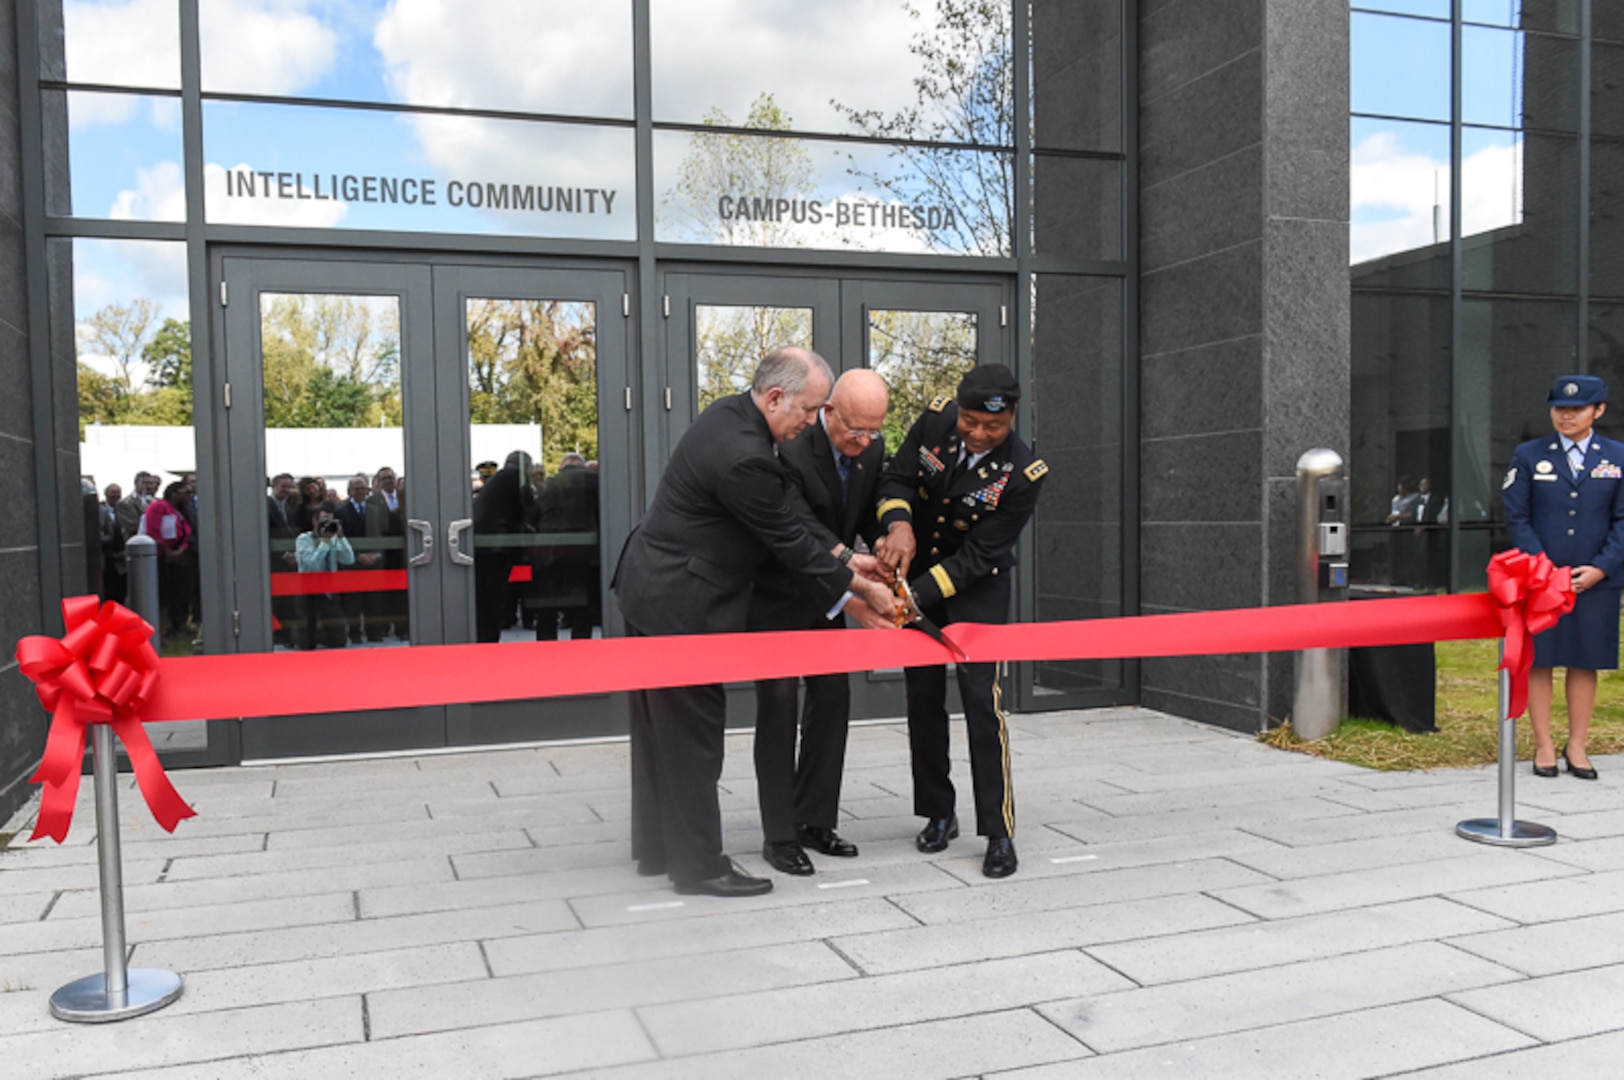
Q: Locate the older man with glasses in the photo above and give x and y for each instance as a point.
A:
(835, 465)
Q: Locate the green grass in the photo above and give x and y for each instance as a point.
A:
(1468, 690)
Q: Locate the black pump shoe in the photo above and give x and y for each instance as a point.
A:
(1575, 770)
(1544, 770)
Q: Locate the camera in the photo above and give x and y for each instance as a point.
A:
(327, 527)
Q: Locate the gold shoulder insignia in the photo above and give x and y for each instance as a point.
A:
(937, 404)
(1036, 470)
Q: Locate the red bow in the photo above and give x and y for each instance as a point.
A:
(1532, 595)
(101, 672)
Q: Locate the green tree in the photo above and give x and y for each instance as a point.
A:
(102, 399)
(730, 341)
(965, 93)
(922, 355)
(535, 362)
(119, 333)
(741, 165)
(329, 361)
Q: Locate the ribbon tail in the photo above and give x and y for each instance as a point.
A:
(168, 808)
(58, 772)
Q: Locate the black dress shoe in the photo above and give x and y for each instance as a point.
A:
(729, 884)
(650, 867)
(936, 833)
(1000, 860)
(824, 839)
(1581, 773)
(787, 857)
(1544, 770)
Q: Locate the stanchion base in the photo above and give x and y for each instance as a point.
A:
(86, 1001)
(1523, 833)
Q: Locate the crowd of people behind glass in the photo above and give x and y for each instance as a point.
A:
(169, 517)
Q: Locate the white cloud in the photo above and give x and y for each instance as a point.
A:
(1400, 198)
(264, 46)
(159, 195)
(134, 43)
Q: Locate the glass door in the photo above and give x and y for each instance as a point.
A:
(395, 431)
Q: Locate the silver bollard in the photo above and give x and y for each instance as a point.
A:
(141, 561)
(1316, 706)
(120, 991)
(1506, 830)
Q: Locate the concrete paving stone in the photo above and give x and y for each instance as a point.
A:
(165, 846)
(1221, 1004)
(888, 881)
(1057, 855)
(963, 1046)
(1564, 798)
(450, 895)
(1387, 1041)
(776, 1016)
(168, 1038)
(1387, 884)
(915, 947)
(1017, 897)
(1592, 825)
(1380, 780)
(355, 833)
(374, 771)
(613, 758)
(1604, 854)
(1305, 786)
(277, 945)
(279, 823)
(1248, 945)
(27, 982)
(24, 907)
(18, 882)
(1551, 948)
(304, 980)
(54, 934)
(465, 807)
(702, 935)
(1595, 1056)
(420, 873)
(505, 1052)
(1547, 901)
(1299, 862)
(1100, 828)
(1408, 798)
(1555, 1007)
(1263, 774)
(1390, 824)
(455, 845)
(620, 986)
(543, 860)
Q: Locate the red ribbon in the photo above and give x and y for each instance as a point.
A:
(101, 672)
(1532, 595)
(105, 670)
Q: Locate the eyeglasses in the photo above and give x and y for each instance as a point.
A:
(871, 434)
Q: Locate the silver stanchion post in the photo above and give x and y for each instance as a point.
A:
(1506, 830)
(120, 991)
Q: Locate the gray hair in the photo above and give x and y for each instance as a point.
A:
(789, 369)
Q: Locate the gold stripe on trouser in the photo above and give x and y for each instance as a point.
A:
(1003, 743)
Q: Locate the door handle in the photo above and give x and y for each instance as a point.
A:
(425, 532)
(453, 541)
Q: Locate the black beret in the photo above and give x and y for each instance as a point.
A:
(989, 388)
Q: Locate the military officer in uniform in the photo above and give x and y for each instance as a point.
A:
(1564, 495)
(953, 501)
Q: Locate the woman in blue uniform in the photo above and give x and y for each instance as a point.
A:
(1564, 495)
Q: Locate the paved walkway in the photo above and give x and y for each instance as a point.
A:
(1190, 904)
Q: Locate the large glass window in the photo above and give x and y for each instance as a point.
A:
(117, 43)
(1401, 66)
(1519, 211)
(416, 172)
(539, 56)
(1559, 15)
(124, 155)
(1077, 74)
(1399, 213)
(1607, 217)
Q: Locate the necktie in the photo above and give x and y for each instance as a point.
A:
(1576, 459)
(843, 466)
(960, 469)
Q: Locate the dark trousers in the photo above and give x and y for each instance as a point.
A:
(676, 759)
(491, 570)
(934, 796)
(804, 791)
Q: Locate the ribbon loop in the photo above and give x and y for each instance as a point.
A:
(1531, 594)
(101, 671)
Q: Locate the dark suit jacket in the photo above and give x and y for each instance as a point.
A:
(781, 600)
(722, 511)
(354, 522)
(1576, 521)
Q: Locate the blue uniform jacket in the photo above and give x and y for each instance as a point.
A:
(1577, 521)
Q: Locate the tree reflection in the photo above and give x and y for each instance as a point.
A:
(922, 355)
(536, 362)
(729, 342)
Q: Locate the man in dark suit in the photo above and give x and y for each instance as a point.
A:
(352, 514)
(954, 501)
(283, 533)
(722, 511)
(568, 577)
(387, 608)
(835, 465)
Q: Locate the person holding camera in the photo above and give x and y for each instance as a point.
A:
(322, 549)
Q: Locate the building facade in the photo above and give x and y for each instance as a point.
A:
(491, 259)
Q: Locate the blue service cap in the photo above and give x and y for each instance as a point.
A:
(1577, 390)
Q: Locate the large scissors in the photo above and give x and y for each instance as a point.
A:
(910, 613)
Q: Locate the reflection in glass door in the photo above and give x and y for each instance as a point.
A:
(334, 445)
(730, 340)
(921, 355)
